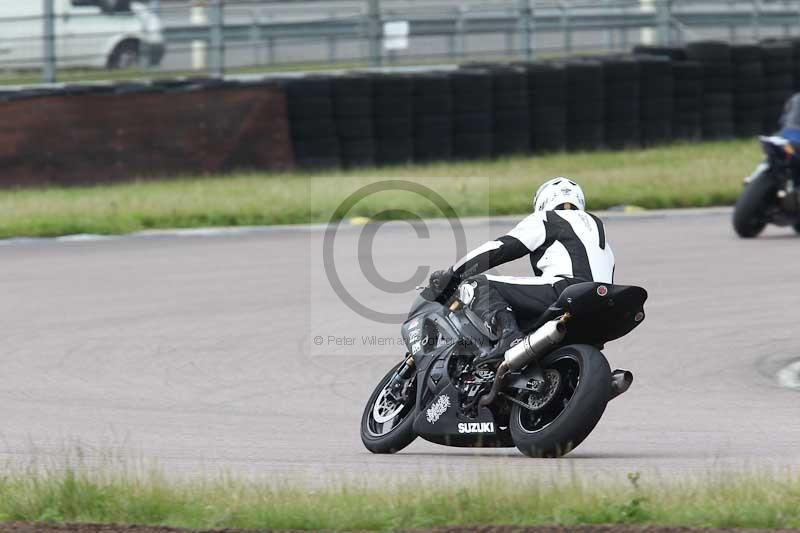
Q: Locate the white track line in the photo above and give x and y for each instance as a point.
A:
(318, 227)
(789, 376)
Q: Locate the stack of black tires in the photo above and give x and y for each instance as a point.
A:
(687, 117)
(473, 122)
(392, 106)
(687, 105)
(511, 133)
(433, 117)
(656, 99)
(778, 60)
(705, 90)
(748, 91)
(352, 109)
(585, 105)
(622, 103)
(311, 122)
(717, 85)
(547, 100)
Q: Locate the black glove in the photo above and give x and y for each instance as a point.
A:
(441, 285)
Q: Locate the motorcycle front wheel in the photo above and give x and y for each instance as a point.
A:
(750, 213)
(555, 422)
(388, 419)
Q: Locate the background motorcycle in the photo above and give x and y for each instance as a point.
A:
(545, 397)
(770, 194)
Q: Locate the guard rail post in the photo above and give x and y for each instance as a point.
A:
(332, 40)
(755, 20)
(566, 27)
(49, 43)
(217, 62)
(663, 18)
(525, 18)
(374, 32)
(461, 32)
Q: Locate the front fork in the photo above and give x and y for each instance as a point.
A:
(403, 374)
(407, 370)
(787, 196)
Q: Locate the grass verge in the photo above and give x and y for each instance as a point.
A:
(681, 175)
(755, 500)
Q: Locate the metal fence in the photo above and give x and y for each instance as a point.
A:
(60, 38)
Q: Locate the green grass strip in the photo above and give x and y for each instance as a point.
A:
(766, 500)
(682, 175)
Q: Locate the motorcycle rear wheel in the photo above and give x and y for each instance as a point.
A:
(749, 215)
(393, 427)
(567, 419)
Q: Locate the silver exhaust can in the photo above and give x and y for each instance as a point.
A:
(535, 345)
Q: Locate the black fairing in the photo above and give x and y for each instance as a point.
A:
(413, 330)
(447, 426)
(601, 312)
(421, 306)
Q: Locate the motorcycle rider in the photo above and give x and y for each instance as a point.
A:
(565, 244)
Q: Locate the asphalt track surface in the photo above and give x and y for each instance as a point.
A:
(199, 353)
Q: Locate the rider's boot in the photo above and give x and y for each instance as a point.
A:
(509, 335)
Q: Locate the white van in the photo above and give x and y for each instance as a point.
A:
(88, 33)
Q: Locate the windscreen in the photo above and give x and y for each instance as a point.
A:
(791, 113)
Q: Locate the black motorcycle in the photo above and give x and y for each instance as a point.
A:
(544, 397)
(771, 193)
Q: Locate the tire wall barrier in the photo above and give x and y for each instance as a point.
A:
(473, 119)
(623, 109)
(585, 105)
(104, 134)
(706, 90)
(433, 117)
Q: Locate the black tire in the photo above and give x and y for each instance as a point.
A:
(749, 217)
(745, 53)
(472, 145)
(440, 149)
(585, 404)
(392, 86)
(687, 70)
(125, 55)
(399, 436)
(675, 53)
(300, 89)
(351, 86)
(352, 107)
(468, 123)
(621, 70)
(308, 129)
(396, 151)
(393, 127)
(358, 153)
(708, 51)
(310, 108)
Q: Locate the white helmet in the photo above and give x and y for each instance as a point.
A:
(557, 192)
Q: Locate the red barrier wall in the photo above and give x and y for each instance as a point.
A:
(102, 138)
